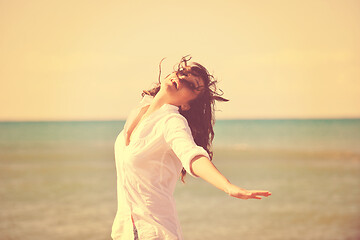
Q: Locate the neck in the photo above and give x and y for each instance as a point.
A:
(159, 100)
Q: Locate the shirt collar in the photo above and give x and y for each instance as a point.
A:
(170, 107)
(147, 99)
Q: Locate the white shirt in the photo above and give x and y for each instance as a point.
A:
(147, 172)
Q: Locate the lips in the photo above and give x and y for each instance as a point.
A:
(174, 83)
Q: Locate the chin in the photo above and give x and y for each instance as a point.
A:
(170, 88)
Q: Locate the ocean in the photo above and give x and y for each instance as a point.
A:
(58, 181)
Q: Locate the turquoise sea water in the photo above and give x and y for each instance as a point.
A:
(57, 181)
(301, 135)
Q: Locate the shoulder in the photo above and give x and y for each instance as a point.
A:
(174, 121)
(175, 117)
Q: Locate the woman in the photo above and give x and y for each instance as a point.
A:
(169, 134)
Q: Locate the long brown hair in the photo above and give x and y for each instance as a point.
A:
(200, 116)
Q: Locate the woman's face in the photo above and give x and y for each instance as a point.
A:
(181, 88)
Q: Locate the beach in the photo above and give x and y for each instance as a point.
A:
(58, 181)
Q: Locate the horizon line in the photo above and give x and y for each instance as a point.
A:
(220, 119)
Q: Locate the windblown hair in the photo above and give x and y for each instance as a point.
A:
(200, 116)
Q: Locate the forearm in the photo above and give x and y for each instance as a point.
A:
(203, 167)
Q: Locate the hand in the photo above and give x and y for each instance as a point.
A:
(235, 191)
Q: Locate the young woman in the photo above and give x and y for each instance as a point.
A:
(169, 134)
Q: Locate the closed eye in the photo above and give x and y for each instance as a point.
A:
(191, 85)
(182, 77)
(188, 83)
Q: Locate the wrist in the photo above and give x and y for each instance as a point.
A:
(227, 187)
(231, 189)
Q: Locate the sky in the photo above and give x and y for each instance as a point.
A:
(90, 60)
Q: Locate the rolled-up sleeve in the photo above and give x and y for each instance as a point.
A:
(178, 135)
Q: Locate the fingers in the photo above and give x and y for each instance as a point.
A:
(261, 193)
(256, 197)
(256, 194)
(248, 194)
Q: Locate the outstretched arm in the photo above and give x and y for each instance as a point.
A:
(203, 167)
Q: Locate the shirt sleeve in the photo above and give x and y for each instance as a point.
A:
(178, 135)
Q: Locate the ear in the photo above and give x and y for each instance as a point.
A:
(185, 107)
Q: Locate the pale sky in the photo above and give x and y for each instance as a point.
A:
(90, 60)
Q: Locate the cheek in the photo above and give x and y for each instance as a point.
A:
(188, 95)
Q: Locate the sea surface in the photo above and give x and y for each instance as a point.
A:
(58, 181)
